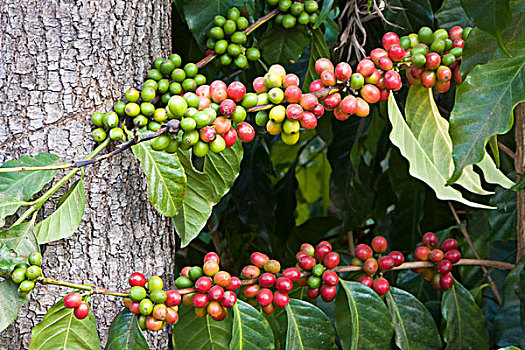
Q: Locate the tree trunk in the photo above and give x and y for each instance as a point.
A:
(59, 62)
(520, 167)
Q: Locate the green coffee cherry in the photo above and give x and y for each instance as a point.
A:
(219, 20)
(183, 282)
(175, 88)
(158, 296)
(284, 5)
(218, 145)
(229, 27)
(164, 86)
(242, 23)
(116, 134)
(289, 21)
(111, 119)
(190, 138)
(234, 50)
(253, 54)
(221, 46)
(142, 321)
(160, 115)
(98, 135)
(33, 272)
(154, 283)
(238, 38)
(314, 282)
(155, 74)
(191, 70)
(176, 59)
(234, 13)
(167, 67)
(357, 81)
(172, 147)
(319, 268)
(147, 94)
(225, 60)
(249, 100)
(97, 118)
(202, 119)
(241, 61)
(18, 275)
(261, 118)
(146, 307)
(140, 121)
(137, 293)
(158, 62)
(177, 106)
(119, 108)
(154, 126)
(132, 95)
(160, 143)
(178, 75)
(311, 6)
(26, 286)
(188, 124)
(22, 266)
(200, 149)
(210, 43)
(200, 79)
(195, 273)
(404, 41)
(132, 110)
(425, 35)
(303, 18)
(189, 85)
(216, 33)
(297, 8)
(151, 83)
(239, 114)
(147, 109)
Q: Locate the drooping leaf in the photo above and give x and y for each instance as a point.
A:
(60, 329)
(308, 327)
(493, 17)
(21, 238)
(223, 169)
(325, 11)
(283, 46)
(196, 333)
(165, 177)
(250, 329)
(125, 333)
(24, 184)
(318, 50)
(9, 206)
(508, 331)
(421, 165)
(451, 14)
(414, 326)
(10, 303)
(466, 327)
(413, 15)
(66, 219)
(484, 105)
(361, 318)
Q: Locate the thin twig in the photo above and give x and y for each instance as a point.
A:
(506, 150)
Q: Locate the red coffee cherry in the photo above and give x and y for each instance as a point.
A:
(446, 281)
(250, 271)
(216, 293)
(229, 299)
(385, 263)
(227, 107)
(339, 114)
(82, 310)
(328, 78)
(307, 263)
(173, 298)
(259, 259)
(326, 243)
(444, 267)
(251, 291)
(433, 60)
(331, 260)
(381, 286)
(370, 93)
(322, 65)
(203, 284)
(280, 300)
(379, 244)
(436, 255)
(370, 266)
(316, 85)
(331, 101)
(222, 278)
(292, 274)
(264, 297)
(200, 300)
(134, 308)
(330, 278)
(214, 309)
(422, 253)
(293, 94)
(363, 252)
(366, 67)
(390, 39)
(396, 53)
(455, 32)
(398, 257)
(449, 244)
(284, 285)
(343, 71)
(308, 249)
(309, 121)
(453, 256)
(290, 80)
(308, 102)
(236, 91)
(245, 132)
(377, 54)
(269, 309)
(430, 240)
(349, 104)
(321, 251)
(313, 293)
(328, 293)
(172, 316)
(72, 300)
(267, 280)
(294, 112)
(392, 80)
(235, 284)
(366, 280)
(137, 279)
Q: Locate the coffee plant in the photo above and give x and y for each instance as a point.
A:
(314, 180)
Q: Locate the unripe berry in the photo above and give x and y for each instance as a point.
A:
(428, 274)
(210, 268)
(272, 266)
(308, 249)
(430, 240)
(436, 255)
(363, 252)
(398, 257)
(159, 312)
(82, 310)
(331, 260)
(172, 316)
(370, 266)
(72, 300)
(187, 299)
(453, 256)
(268, 309)
(280, 300)
(292, 273)
(385, 263)
(381, 286)
(444, 267)
(449, 244)
(363, 108)
(367, 280)
(267, 280)
(154, 325)
(422, 253)
(379, 244)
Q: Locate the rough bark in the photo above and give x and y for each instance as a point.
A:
(60, 61)
(520, 168)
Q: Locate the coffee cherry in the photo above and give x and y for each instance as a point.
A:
(444, 267)
(158, 296)
(331, 260)
(245, 132)
(366, 67)
(308, 249)
(18, 275)
(318, 270)
(292, 273)
(280, 300)
(343, 71)
(442, 86)
(322, 65)
(316, 85)
(203, 284)
(137, 279)
(390, 39)
(251, 291)
(385, 263)
(134, 308)
(35, 258)
(183, 282)
(154, 283)
(363, 252)
(363, 109)
(272, 266)
(293, 94)
(428, 274)
(33, 272)
(321, 251)
(446, 281)
(137, 293)
(396, 53)
(332, 101)
(422, 253)
(172, 316)
(314, 281)
(294, 112)
(229, 299)
(214, 309)
(154, 325)
(264, 297)
(72, 300)
(370, 266)
(328, 293)
(216, 293)
(82, 310)
(235, 284)
(398, 257)
(200, 300)
(430, 240)
(300, 255)
(328, 78)
(212, 256)
(449, 244)
(339, 114)
(313, 293)
(173, 298)
(428, 79)
(433, 60)
(267, 280)
(309, 121)
(222, 278)
(392, 80)
(436, 255)
(187, 299)
(367, 280)
(210, 267)
(453, 256)
(381, 286)
(146, 307)
(330, 278)
(374, 77)
(379, 244)
(201, 312)
(307, 263)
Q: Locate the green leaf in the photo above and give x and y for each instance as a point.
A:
(493, 17)
(508, 331)
(165, 177)
(415, 328)
(60, 329)
(361, 318)
(9, 257)
(466, 326)
(413, 15)
(421, 165)
(250, 329)
(318, 50)
(325, 11)
(20, 238)
(10, 303)
(503, 220)
(308, 327)
(9, 206)
(451, 14)
(223, 168)
(66, 219)
(196, 333)
(283, 46)
(24, 184)
(484, 105)
(125, 333)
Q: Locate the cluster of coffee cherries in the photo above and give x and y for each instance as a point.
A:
(214, 289)
(440, 275)
(227, 39)
(289, 108)
(320, 261)
(271, 290)
(374, 266)
(293, 13)
(154, 306)
(79, 303)
(25, 274)
(212, 118)
(434, 57)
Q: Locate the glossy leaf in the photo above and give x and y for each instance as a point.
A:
(10, 303)
(60, 329)
(325, 11)
(21, 238)
(414, 326)
(165, 177)
(421, 165)
(484, 105)
(451, 14)
(503, 220)
(308, 327)
(196, 333)
(250, 329)
(125, 333)
(282, 46)
(23, 185)
(466, 327)
(318, 49)
(361, 318)
(223, 169)
(9, 206)
(493, 17)
(9, 257)
(66, 219)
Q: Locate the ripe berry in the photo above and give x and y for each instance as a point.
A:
(294, 112)
(328, 293)
(259, 86)
(268, 309)
(292, 273)
(422, 253)
(396, 53)
(370, 93)
(229, 299)
(330, 278)
(381, 286)
(208, 133)
(309, 121)
(245, 132)
(210, 267)
(370, 266)
(430, 240)
(367, 280)
(203, 284)
(392, 80)
(398, 257)
(321, 251)
(250, 271)
(227, 107)
(449, 244)
(172, 316)
(385, 263)
(235, 284)
(284, 285)
(385, 63)
(173, 298)
(290, 80)
(267, 280)
(331, 260)
(280, 300)
(230, 137)
(374, 77)
(444, 74)
(134, 308)
(428, 79)
(366, 67)
(444, 267)
(216, 293)
(222, 278)
(307, 263)
(308, 102)
(72, 300)
(200, 300)
(323, 64)
(236, 91)
(331, 101)
(264, 297)
(214, 309)
(154, 325)
(349, 104)
(433, 60)
(453, 256)
(363, 108)
(442, 86)
(82, 310)
(363, 252)
(379, 244)
(185, 271)
(312, 293)
(299, 255)
(436, 255)
(343, 71)
(159, 312)
(328, 78)
(390, 39)
(376, 55)
(251, 291)
(293, 94)
(455, 32)
(316, 85)
(137, 279)
(446, 281)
